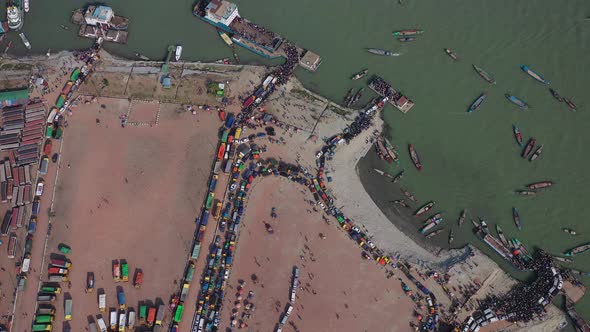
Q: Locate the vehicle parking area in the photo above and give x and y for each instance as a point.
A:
(126, 193)
(338, 289)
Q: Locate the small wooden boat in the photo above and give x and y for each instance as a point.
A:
(563, 259)
(517, 135)
(462, 217)
(64, 27)
(378, 51)
(526, 192)
(390, 149)
(556, 95)
(425, 208)
(452, 54)
(433, 217)
(434, 233)
(537, 153)
(516, 101)
(408, 195)
(141, 56)
(529, 148)
(477, 103)
(406, 39)
(451, 237)
(401, 202)
(578, 250)
(570, 104)
(516, 218)
(360, 74)
(349, 96)
(533, 74)
(501, 235)
(475, 223)
(540, 185)
(415, 157)
(398, 177)
(408, 32)
(486, 76)
(569, 231)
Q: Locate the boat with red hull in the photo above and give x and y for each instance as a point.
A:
(415, 157)
(529, 148)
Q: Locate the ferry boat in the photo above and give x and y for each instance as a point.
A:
(379, 51)
(516, 218)
(570, 104)
(415, 157)
(529, 147)
(462, 217)
(360, 74)
(25, 40)
(15, 18)
(517, 135)
(533, 74)
(540, 185)
(26, 5)
(579, 322)
(409, 32)
(478, 102)
(485, 75)
(425, 208)
(496, 245)
(178, 52)
(537, 153)
(578, 250)
(516, 101)
(452, 54)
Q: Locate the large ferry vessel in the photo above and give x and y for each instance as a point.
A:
(15, 16)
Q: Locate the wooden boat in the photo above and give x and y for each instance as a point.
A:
(348, 96)
(533, 74)
(563, 259)
(477, 103)
(378, 51)
(425, 208)
(517, 135)
(523, 249)
(452, 54)
(432, 234)
(64, 27)
(501, 235)
(475, 223)
(526, 192)
(516, 218)
(434, 217)
(579, 322)
(516, 101)
(391, 150)
(486, 76)
(429, 226)
(556, 95)
(462, 217)
(401, 202)
(25, 40)
(540, 185)
(406, 39)
(570, 104)
(537, 153)
(408, 195)
(398, 176)
(569, 231)
(578, 250)
(415, 157)
(451, 237)
(383, 173)
(141, 56)
(408, 32)
(360, 74)
(529, 147)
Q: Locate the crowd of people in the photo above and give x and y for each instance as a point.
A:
(257, 33)
(383, 88)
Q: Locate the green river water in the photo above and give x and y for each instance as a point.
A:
(470, 160)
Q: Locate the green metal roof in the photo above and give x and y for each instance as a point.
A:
(14, 94)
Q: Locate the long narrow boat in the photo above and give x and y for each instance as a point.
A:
(438, 231)
(570, 104)
(556, 95)
(408, 195)
(433, 218)
(533, 74)
(452, 54)
(578, 250)
(383, 173)
(516, 101)
(517, 135)
(526, 192)
(430, 226)
(406, 39)
(415, 157)
(569, 231)
(485, 75)
(462, 217)
(579, 322)
(360, 74)
(537, 153)
(540, 185)
(391, 150)
(516, 217)
(25, 40)
(529, 147)
(425, 208)
(398, 176)
(451, 237)
(408, 32)
(501, 235)
(563, 259)
(378, 51)
(477, 103)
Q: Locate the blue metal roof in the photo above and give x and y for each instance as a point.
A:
(102, 12)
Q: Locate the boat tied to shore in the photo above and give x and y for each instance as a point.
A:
(451, 236)
(408, 32)
(430, 225)
(516, 101)
(26, 6)
(578, 250)
(537, 153)
(563, 259)
(556, 95)
(517, 135)
(452, 54)
(141, 56)
(25, 40)
(408, 195)
(516, 218)
(178, 52)
(434, 233)
(433, 217)
(398, 176)
(529, 147)
(485, 75)
(390, 150)
(383, 173)
(533, 74)
(501, 235)
(579, 322)
(360, 74)
(415, 157)
(540, 185)
(462, 217)
(425, 208)
(477, 103)
(378, 51)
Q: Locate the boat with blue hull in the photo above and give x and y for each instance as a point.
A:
(477, 103)
(516, 101)
(533, 74)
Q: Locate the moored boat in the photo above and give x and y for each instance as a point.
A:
(540, 185)
(391, 150)
(462, 217)
(408, 32)
(25, 40)
(517, 135)
(178, 52)
(401, 202)
(141, 56)
(452, 54)
(533, 74)
(516, 218)
(579, 322)
(360, 74)
(14, 17)
(408, 195)
(26, 5)
(485, 75)
(556, 95)
(425, 208)
(563, 259)
(433, 217)
(378, 51)
(526, 192)
(406, 39)
(570, 104)
(451, 236)
(64, 27)
(537, 153)
(501, 235)
(529, 147)
(578, 250)
(430, 226)
(48, 54)
(398, 177)
(569, 231)
(415, 157)
(516, 101)
(478, 102)
(383, 173)
(348, 96)
(438, 231)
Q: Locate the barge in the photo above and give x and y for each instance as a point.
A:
(395, 98)
(100, 22)
(224, 15)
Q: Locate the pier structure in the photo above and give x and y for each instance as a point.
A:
(101, 22)
(395, 98)
(224, 15)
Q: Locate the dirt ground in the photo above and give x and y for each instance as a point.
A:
(131, 194)
(339, 290)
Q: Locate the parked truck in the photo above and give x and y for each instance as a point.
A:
(122, 321)
(92, 327)
(50, 289)
(101, 324)
(138, 278)
(160, 314)
(151, 316)
(89, 282)
(184, 292)
(213, 182)
(42, 297)
(58, 278)
(102, 302)
(45, 309)
(121, 299)
(190, 272)
(41, 327)
(124, 271)
(142, 312)
(26, 263)
(210, 198)
(178, 313)
(63, 263)
(131, 320)
(113, 319)
(43, 319)
(57, 270)
(68, 309)
(116, 271)
(196, 250)
(217, 210)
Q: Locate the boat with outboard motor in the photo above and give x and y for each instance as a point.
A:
(451, 237)
(141, 56)
(25, 40)
(398, 176)
(516, 101)
(378, 51)
(570, 104)
(26, 5)
(556, 95)
(533, 74)
(452, 54)
(569, 231)
(178, 52)
(360, 74)
(406, 39)
(537, 152)
(578, 250)
(517, 135)
(408, 32)
(462, 217)
(526, 192)
(434, 233)
(477, 103)
(408, 194)
(485, 75)
(540, 185)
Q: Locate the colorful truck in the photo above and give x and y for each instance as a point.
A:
(184, 291)
(196, 250)
(63, 263)
(57, 270)
(124, 271)
(122, 321)
(210, 198)
(50, 289)
(131, 320)
(68, 309)
(58, 278)
(41, 327)
(190, 272)
(213, 183)
(44, 319)
(151, 316)
(102, 302)
(113, 319)
(178, 313)
(45, 309)
(116, 271)
(101, 324)
(142, 312)
(121, 299)
(138, 278)
(160, 314)
(217, 210)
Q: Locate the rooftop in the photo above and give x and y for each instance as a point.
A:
(222, 9)
(310, 61)
(102, 13)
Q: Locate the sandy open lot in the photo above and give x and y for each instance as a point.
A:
(131, 194)
(340, 291)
